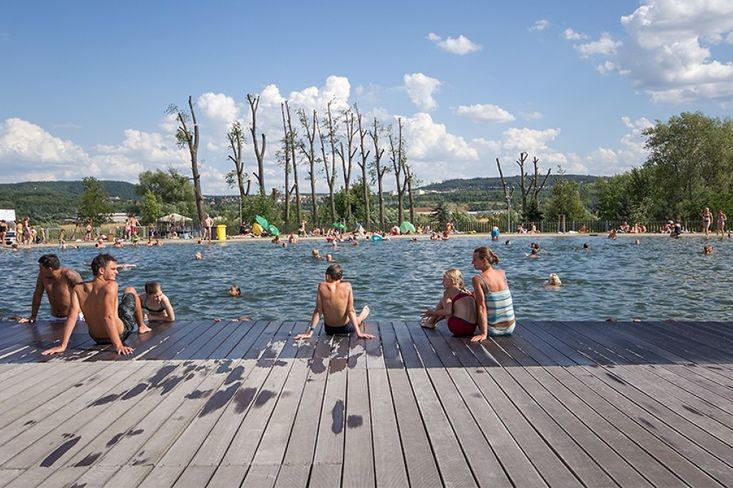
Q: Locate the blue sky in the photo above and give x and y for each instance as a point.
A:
(85, 84)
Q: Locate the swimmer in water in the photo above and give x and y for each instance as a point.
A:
(235, 291)
(553, 282)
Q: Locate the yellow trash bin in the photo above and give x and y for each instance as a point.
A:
(221, 232)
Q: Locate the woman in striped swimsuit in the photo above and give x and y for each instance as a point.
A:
(493, 298)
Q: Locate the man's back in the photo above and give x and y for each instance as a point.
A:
(96, 299)
(335, 299)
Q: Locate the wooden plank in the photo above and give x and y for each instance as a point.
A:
(261, 476)
(390, 350)
(96, 476)
(218, 350)
(359, 469)
(195, 476)
(212, 338)
(293, 476)
(325, 475)
(421, 465)
(659, 463)
(227, 476)
(482, 459)
(576, 427)
(161, 476)
(67, 438)
(542, 454)
(195, 335)
(389, 460)
(173, 399)
(648, 423)
(128, 476)
(373, 348)
(144, 343)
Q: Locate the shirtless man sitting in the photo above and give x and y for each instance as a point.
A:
(108, 323)
(57, 283)
(335, 300)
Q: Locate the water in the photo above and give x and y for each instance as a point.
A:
(659, 279)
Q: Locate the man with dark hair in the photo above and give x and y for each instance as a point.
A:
(57, 283)
(108, 322)
(335, 300)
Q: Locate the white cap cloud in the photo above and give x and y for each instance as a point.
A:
(666, 50)
(485, 112)
(540, 25)
(460, 45)
(420, 88)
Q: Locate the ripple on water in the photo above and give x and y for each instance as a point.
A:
(658, 279)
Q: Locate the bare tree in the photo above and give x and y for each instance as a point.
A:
(236, 143)
(286, 162)
(329, 166)
(259, 151)
(190, 139)
(379, 170)
(364, 153)
(292, 136)
(410, 199)
(347, 156)
(310, 155)
(397, 156)
(529, 186)
(508, 192)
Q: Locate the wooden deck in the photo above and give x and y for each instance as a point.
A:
(239, 403)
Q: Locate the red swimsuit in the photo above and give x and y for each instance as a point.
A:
(458, 326)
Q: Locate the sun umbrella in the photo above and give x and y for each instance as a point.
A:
(262, 221)
(273, 230)
(339, 225)
(406, 227)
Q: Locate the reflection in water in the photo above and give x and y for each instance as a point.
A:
(659, 279)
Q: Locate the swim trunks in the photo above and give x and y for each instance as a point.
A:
(53, 318)
(460, 327)
(502, 331)
(344, 329)
(126, 312)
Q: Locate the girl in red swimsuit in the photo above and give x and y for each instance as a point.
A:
(460, 313)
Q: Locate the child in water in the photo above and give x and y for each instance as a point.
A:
(156, 304)
(460, 313)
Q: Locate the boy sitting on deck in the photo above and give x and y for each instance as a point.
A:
(335, 300)
(97, 299)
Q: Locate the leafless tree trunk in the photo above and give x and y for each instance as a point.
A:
(259, 151)
(331, 178)
(508, 192)
(236, 141)
(410, 200)
(189, 139)
(347, 157)
(286, 161)
(310, 155)
(398, 165)
(529, 187)
(379, 170)
(363, 165)
(292, 136)
(329, 167)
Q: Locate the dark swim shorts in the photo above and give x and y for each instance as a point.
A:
(126, 312)
(344, 329)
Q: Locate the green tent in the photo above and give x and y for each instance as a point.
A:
(406, 227)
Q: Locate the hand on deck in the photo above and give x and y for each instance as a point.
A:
(364, 335)
(53, 350)
(300, 337)
(478, 338)
(125, 350)
(28, 320)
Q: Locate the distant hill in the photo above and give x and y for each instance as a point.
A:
(46, 201)
(494, 184)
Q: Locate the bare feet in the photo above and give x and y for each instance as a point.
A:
(427, 324)
(142, 329)
(364, 314)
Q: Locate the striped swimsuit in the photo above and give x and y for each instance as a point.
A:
(499, 308)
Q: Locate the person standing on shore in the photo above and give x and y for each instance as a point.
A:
(206, 225)
(720, 227)
(707, 218)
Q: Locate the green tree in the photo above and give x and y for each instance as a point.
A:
(94, 202)
(173, 190)
(565, 200)
(691, 161)
(150, 208)
(441, 214)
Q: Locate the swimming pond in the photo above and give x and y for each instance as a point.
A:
(658, 279)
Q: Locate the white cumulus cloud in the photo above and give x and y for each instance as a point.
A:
(485, 112)
(218, 107)
(420, 88)
(540, 25)
(606, 45)
(460, 45)
(570, 35)
(21, 140)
